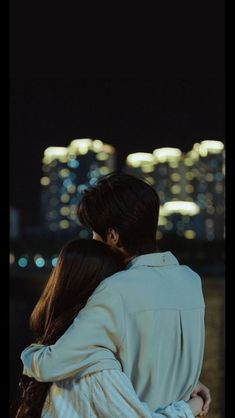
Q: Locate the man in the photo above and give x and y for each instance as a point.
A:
(147, 320)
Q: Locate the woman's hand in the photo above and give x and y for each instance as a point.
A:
(202, 391)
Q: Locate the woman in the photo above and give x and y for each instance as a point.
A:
(81, 266)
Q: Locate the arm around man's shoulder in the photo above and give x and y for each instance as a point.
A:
(88, 345)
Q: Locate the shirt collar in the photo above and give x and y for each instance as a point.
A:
(153, 260)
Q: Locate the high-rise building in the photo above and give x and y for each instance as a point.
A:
(206, 174)
(67, 172)
(190, 187)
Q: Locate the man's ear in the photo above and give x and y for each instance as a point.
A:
(112, 237)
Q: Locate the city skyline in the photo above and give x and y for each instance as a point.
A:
(131, 114)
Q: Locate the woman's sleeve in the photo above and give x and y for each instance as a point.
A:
(89, 344)
(112, 394)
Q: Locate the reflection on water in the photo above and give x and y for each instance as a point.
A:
(26, 290)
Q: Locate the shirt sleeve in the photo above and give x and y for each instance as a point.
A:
(112, 394)
(89, 344)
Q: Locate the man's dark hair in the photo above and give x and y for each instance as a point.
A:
(128, 205)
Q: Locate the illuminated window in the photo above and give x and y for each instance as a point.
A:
(64, 224)
(12, 258)
(65, 211)
(147, 168)
(64, 172)
(189, 188)
(189, 234)
(104, 170)
(73, 163)
(102, 156)
(209, 177)
(72, 189)
(65, 198)
(189, 175)
(150, 180)
(175, 189)
(175, 177)
(45, 181)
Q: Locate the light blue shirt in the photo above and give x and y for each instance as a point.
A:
(147, 321)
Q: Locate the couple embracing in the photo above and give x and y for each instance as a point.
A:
(119, 327)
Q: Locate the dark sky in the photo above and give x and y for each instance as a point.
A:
(133, 114)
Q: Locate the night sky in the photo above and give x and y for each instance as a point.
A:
(133, 114)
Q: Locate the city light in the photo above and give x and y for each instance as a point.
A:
(185, 208)
(55, 153)
(45, 181)
(80, 146)
(12, 258)
(140, 158)
(214, 147)
(39, 261)
(23, 262)
(166, 154)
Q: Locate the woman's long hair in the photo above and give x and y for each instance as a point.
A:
(81, 266)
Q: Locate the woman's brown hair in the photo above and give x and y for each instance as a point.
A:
(81, 266)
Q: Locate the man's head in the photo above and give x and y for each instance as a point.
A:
(122, 210)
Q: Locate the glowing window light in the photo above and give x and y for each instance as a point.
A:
(65, 198)
(148, 168)
(150, 180)
(139, 159)
(65, 211)
(64, 224)
(55, 153)
(193, 154)
(167, 154)
(189, 188)
(162, 220)
(108, 149)
(67, 183)
(54, 261)
(176, 189)
(72, 189)
(104, 170)
(12, 258)
(80, 146)
(213, 147)
(189, 175)
(189, 234)
(73, 163)
(23, 262)
(102, 156)
(182, 207)
(188, 162)
(173, 164)
(97, 145)
(175, 177)
(45, 181)
(64, 172)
